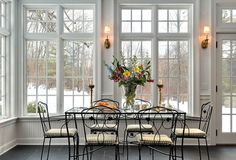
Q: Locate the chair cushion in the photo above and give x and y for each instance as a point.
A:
(154, 139)
(61, 132)
(190, 132)
(136, 128)
(102, 138)
(104, 127)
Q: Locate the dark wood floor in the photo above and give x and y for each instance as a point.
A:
(60, 153)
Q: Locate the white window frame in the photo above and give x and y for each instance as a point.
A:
(193, 6)
(59, 37)
(5, 34)
(224, 27)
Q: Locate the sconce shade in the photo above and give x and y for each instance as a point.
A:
(107, 29)
(206, 29)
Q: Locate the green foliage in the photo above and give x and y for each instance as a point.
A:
(31, 107)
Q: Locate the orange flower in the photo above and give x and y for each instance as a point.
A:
(126, 74)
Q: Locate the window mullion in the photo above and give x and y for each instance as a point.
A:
(60, 62)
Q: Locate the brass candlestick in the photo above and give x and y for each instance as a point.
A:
(160, 86)
(91, 86)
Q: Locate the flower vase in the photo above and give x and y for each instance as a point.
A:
(129, 92)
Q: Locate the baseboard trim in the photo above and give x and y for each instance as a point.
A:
(6, 147)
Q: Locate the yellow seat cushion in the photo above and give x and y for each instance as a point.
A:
(102, 138)
(136, 128)
(104, 127)
(190, 132)
(154, 139)
(61, 132)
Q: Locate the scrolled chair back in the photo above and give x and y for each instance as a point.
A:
(101, 119)
(163, 121)
(44, 116)
(205, 116)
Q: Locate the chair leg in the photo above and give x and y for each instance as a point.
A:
(49, 148)
(91, 153)
(87, 152)
(139, 151)
(77, 146)
(83, 153)
(74, 148)
(199, 148)
(208, 156)
(127, 146)
(182, 148)
(42, 149)
(152, 154)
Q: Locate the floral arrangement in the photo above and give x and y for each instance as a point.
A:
(130, 73)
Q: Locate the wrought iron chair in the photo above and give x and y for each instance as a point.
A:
(132, 129)
(197, 133)
(107, 120)
(106, 103)
(49, 132)
(163, 122)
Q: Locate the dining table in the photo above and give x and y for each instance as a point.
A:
(74, 115)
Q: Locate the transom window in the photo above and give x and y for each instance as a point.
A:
(78, 20)
(173, 20)
(136, 20)
(228, 16)
(41, 20)
(168, 47)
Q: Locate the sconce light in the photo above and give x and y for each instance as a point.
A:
(205, 41)
(107, 43)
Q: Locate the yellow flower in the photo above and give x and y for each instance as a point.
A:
(126, 74)
(140, 66)
(136, 69)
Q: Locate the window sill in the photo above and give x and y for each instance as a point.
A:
(7, 121)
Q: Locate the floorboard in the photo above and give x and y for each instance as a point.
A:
(60, 153)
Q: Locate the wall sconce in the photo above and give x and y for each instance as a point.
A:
(206, 31)
(107, 43)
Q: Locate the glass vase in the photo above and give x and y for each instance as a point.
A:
(129, 93)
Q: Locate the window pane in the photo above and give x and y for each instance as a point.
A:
(136, 14)
(226, 105)
(126, 27)
(41, 67)
(173, 20)
(234, 123)
(234, 104)
(226, 123)
(162, 27)
(136, 20)
(41, 20)
(173, 66)
(146, 14)
(78, 70)
(234, 16)
(146, 27)
(183, 14)
(126, 14)
(173, 14)
(136, 27)
(78, 20)
(162, 14)
(226, 16)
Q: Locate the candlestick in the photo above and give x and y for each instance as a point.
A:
(91, 86)
(160, 86)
